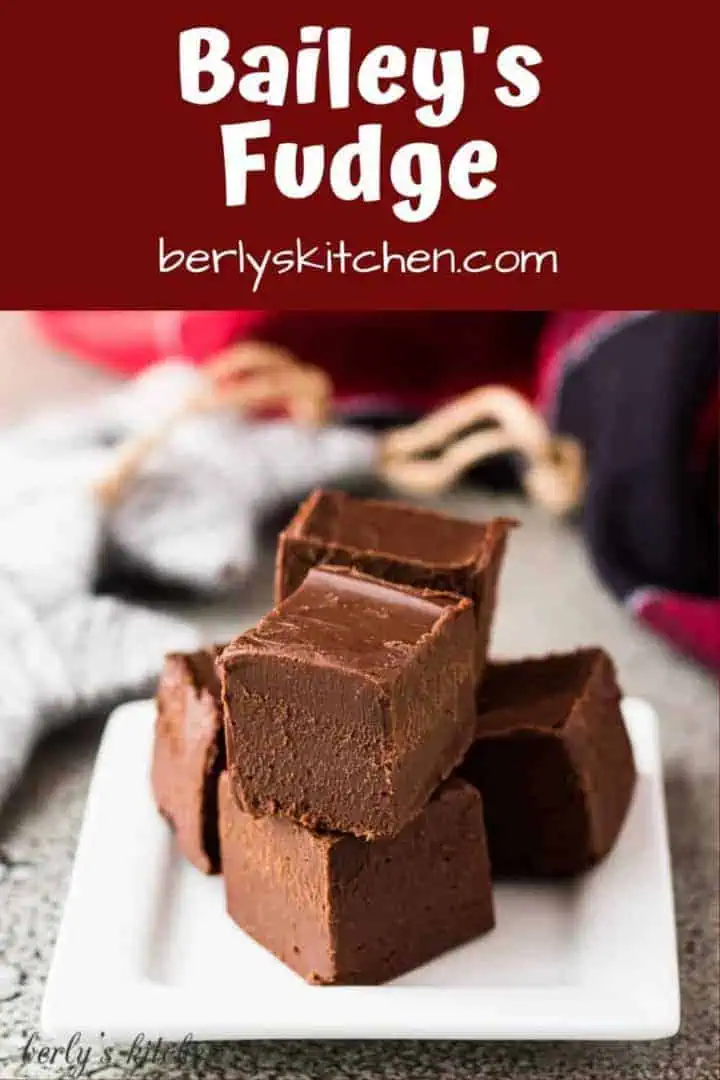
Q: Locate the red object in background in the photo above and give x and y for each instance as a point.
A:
(406, 360)
(128, 341)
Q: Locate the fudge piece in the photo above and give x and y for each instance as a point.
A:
(347, 705)
(341, 910)
(399, 543)
(189, 753)
(553, 763)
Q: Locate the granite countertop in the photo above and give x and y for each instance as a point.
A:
(549, 599)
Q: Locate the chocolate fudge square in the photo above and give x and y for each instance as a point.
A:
(349, 703)
(399, 543)
(341, 910)
(189, 753)
(553, 763)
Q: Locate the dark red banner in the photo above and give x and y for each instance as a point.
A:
(358, 156)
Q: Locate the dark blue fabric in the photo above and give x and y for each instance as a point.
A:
(634, 401)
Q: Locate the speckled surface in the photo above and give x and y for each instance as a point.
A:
(549, 599)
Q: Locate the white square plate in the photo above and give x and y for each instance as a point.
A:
(145, 944)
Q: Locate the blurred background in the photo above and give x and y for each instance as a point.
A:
(31, 374)
(147, 460)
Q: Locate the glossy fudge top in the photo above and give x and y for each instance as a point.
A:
(341, 618)
(542, 692)
(391, 529)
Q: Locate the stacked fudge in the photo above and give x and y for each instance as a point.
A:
(351, 761)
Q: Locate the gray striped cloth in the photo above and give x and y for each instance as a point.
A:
(190, 518)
